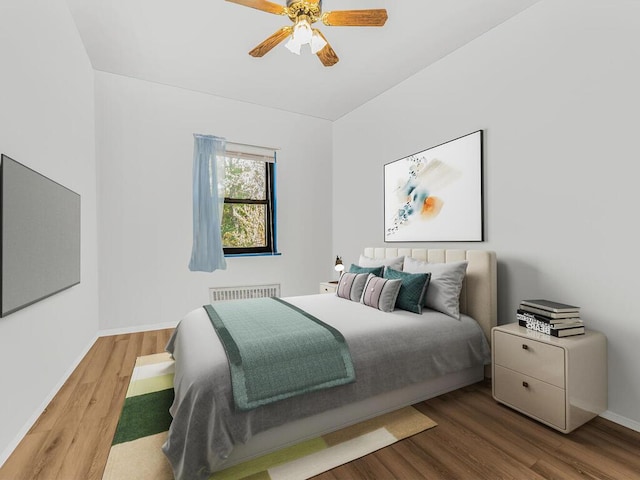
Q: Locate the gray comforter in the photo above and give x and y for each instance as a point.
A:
(389, 351)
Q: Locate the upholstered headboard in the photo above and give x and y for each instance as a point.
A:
(479, 298)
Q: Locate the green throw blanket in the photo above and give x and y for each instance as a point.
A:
(277, 350)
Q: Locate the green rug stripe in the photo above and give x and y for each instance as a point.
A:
(144, 415)
(259, 466)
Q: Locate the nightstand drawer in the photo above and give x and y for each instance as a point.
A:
(328, 287)
(530, 357)
(531, 396)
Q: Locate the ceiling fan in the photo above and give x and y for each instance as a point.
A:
(304, 13)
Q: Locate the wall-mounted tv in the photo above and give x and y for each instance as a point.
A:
(40, 229)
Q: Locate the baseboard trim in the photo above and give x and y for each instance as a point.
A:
(138, 328)
(6, 453)
(620, 420)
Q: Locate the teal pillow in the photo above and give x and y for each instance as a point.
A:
(413, 289)
(377, 271)
(445, 284)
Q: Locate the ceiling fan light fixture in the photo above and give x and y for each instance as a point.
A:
(302, 35)
(293, 46)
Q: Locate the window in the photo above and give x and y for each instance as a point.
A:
(248, 218)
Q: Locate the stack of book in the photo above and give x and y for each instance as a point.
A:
(552, 318)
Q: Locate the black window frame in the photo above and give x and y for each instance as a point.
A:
(270, 217)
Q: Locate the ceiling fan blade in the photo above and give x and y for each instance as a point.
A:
(272, 41)
(263, 5)
(327, 55)
(355, 18)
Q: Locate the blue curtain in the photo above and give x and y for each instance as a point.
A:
(207, 254)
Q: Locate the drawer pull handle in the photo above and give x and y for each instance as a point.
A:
(525, 384)
(525, 346)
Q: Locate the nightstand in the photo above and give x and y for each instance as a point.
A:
(561, 382)
(328, 287)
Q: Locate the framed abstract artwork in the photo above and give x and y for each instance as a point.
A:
(436, 195)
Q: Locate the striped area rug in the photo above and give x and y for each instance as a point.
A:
(142, 429)
(144, 422)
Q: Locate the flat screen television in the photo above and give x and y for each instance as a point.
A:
(40, 229)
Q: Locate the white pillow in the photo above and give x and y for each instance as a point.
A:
(443, 293)
(395, 262)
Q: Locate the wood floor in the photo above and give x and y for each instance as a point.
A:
(476, 438)
(71, 439)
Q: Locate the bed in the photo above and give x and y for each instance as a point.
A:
(400, 358)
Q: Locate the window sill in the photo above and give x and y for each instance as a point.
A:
(232, 255)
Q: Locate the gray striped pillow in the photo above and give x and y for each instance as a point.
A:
(351, 285)
(381, 293)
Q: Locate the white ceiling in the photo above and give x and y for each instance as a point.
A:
(202, 45)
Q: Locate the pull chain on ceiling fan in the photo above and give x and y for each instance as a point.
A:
(303, 14)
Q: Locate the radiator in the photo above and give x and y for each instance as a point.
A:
(221, 294)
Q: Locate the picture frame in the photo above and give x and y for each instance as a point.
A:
(436, 195)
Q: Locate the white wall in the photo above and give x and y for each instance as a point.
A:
(144, 136)
(46, 123)
(556, 91)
